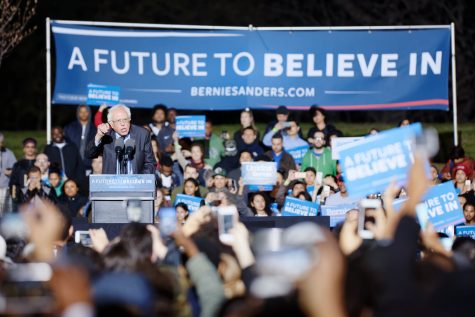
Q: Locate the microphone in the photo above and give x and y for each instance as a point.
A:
(129, 147)
(119, 146)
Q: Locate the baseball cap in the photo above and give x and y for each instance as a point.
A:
(218, 171)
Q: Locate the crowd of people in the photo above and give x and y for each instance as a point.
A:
(303, 270)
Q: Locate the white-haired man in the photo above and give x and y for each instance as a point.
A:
(118, 125)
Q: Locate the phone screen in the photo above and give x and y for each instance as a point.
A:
(228, 223)
(167, 221)
(85, 239)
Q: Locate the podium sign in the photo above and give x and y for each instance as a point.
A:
(110, 196)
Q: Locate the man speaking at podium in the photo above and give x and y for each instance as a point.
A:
(125, 147)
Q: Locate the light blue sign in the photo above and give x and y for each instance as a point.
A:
(192, 202)
(121, 183)
(297, 207)
(190, 126)
(259, 174)
(372, 163)
(337, 213)
(298, 153)
(102, 94)
(465, 231)
(226, 69)
(443, 206)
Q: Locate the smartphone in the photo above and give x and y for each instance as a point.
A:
(234, 185)
(326, 190)
(367, 208)
(83, 237)
(300, 174)
(168, 221)
(468, 183)
(319, 178)
(227, 218)
(286, 124)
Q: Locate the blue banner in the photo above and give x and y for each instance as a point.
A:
(370, 164)
(337, 213)
(297, 207)
(443, 206)
(259, 174)
(101, 94)
(231, 69)
(298, 153)
(192, 202)
(121, 183)
(190, 126)
(465, 231)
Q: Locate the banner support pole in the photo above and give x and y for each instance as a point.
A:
(48, 81)
(454, 83)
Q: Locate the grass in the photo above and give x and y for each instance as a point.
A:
(13, 139)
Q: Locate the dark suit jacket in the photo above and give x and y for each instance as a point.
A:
(143, 161)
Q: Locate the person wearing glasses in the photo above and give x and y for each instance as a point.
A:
(142, 160)
(319, 156)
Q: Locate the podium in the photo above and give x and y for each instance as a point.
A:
(122, 198)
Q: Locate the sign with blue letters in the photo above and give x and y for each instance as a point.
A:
(298, 153)
(337, 213)
(190, 126)
(443, 206)
(259, 175)
(297, 207)
(102, 94)
(192, 202)
(465, 231)
(370, 164)
(227, 69)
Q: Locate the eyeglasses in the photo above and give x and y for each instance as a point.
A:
(121, 121)
(319, 139)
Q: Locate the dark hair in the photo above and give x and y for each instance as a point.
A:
(266, 199)
(306, 195)
(34, 169)
(468, 203)
(182, 205)
(160, 107)
(249, 128)
(278, 135)
(29, 140)
(54, 170)
(457, 152)
(296, 182)
(293, 118)
(69, 180)
(166, 161)
(311, 169)
(197, 185)
(136, 236)
(248, 151)
(314, 109)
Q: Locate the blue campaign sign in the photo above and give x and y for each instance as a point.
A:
(337, 213)
(190, 126)
(296, 207)
(370, 164)
(102, 94)
(298, 153)
(192, 202)
(228, 69)
(465, 231)
(259, 174)
(443, 206)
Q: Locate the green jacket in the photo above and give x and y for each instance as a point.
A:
(324, 163)
(216, 150)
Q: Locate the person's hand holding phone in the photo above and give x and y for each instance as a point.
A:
(99, 239)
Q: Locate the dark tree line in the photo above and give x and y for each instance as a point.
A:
(22, 73)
